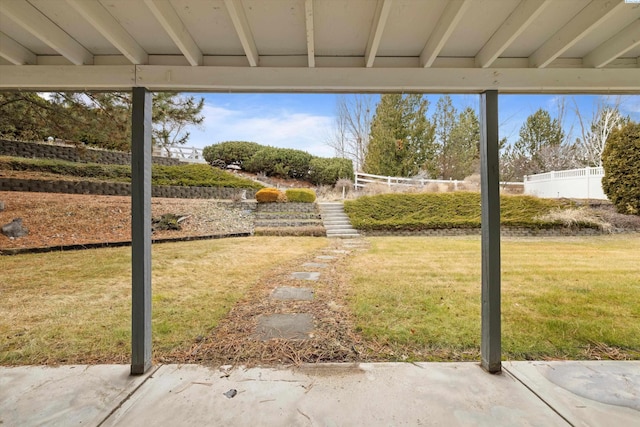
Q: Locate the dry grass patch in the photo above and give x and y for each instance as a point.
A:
(577, 217)
(74, 307)
(571, 298)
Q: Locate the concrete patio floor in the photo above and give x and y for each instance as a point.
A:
(579, 393)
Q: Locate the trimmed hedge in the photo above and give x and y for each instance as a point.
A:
(325, 171)
(283, 162)
(231, 152)
(621, 163)
(182, 175)
(412, 212)
(303, 195)
(270, 195)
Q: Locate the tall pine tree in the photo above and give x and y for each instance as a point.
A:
(465, 145)
(401, 141)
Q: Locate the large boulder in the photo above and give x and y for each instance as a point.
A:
(14, 229)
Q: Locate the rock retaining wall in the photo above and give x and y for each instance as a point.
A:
(120, 189)
(504, 231)
(72, 154)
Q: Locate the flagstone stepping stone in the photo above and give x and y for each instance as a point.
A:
(290, 293)
(314, 265)
(327, 257)
(286, 326)
(337, 251)
(304, 275)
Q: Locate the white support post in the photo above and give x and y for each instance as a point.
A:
(141, 231)
(490, 195)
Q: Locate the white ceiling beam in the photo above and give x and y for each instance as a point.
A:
(33, 21)
(110, 28)
(584, 22)
(615, 47)
(311, 47)
(523, 15)
(175, 28)
(383, 7)
(241, 24)
(47, 78)
(446, 25)
(320, 80)
(14, 52)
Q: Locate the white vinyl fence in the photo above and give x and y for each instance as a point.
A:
(584, 183)
(363, 179)
(185, 154)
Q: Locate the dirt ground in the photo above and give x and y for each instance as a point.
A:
(72, 219)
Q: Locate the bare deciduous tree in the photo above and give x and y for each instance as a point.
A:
(350, 136)
(605, 119)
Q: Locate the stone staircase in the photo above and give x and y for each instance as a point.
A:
(336, 222)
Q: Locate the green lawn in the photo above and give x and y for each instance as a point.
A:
(75, 307)
(413, 298)
(561, 298)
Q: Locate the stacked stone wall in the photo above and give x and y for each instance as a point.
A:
(504, 231)
(72, 154)
(121, 189)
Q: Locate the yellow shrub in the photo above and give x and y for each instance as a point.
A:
(304, 195)
(270, 195)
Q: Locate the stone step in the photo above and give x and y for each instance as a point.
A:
(341, 231)
(336, 222)
(344, 236)
(338, 227)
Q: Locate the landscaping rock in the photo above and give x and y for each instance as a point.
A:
(14, 229)
(168, 222)
(284, 326)
(288, 293)
(1, 205)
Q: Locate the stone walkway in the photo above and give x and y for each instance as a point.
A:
(301, 325)
(295, 314)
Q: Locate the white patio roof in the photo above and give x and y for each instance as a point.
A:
(513, 46)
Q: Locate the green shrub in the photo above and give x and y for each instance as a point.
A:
(120, 173)
(302, 195)
(443, 210)
(325, 171)
(231, 152)
(180, 175)
(284, 162)
(198, 176)
(270, 195)
(621, 162)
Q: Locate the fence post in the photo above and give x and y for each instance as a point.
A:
(389, 181)
(588, 183)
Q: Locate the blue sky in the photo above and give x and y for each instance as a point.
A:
(304, 121)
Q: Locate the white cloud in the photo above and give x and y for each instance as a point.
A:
(301, 131)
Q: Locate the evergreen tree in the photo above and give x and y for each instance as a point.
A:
(24, 116)
(465, 145)
(445, 121)
(172, 113)
(98, 119)
(538, 136)
(401, 141)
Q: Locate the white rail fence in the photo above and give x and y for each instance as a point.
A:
(363, 179)
(584, 183)
(185, 154)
